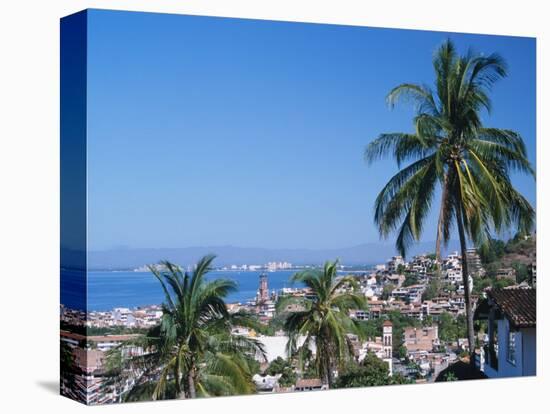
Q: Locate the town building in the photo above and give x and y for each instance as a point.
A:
(394, 263)
(475, 267)
(89, 383)
(421, 265)
(273, 266)
(420, 339)
(312, 384)
(409, 294)
(508, 273)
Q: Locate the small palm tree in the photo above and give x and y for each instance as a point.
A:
(451, 148)
(193, 349)
(324, 323)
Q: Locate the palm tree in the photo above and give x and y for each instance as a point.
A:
(193, 349)
(324, 321)
(450, 148)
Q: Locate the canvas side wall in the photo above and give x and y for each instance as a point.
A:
(73, 281)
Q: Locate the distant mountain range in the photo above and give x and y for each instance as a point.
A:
(368, 253)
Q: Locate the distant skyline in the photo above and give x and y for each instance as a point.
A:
(211, 131)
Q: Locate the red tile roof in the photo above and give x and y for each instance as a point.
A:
(112, 338)
(519, 305)
(309, 383)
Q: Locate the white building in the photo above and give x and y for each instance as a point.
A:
(120, 315)
(410, 294)
(454, 275)
(394, 263)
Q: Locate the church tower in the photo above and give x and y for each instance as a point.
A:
(263, 292)
(387, 341)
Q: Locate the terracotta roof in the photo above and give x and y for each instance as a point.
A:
(72, 335)
(99, 338)
(387, 322)
(309, 383)
(112, 338)
(519, 305)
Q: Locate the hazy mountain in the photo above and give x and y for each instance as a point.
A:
(368, 253)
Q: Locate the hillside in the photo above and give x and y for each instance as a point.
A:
(519, 252)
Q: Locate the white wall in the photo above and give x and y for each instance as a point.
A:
(275, 346)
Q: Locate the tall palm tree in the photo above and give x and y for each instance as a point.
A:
(193, 349)
(324, 323)
(450, 148)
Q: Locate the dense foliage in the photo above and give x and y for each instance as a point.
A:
(283, 367)
(372, 371)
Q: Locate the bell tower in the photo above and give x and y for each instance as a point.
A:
(387, 342)
(263, 292)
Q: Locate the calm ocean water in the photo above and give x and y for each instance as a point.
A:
(108, 290)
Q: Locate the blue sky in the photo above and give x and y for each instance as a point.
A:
(209, 131)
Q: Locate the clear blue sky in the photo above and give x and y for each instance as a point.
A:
(210, 131)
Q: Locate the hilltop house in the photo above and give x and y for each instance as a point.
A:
(312, 384)
(511, 315)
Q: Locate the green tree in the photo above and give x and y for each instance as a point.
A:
(447, 328)
(432, 289)
(502, 283)
(450, 329)
(410, 280)
(522, 271)
(451, 148)
(402, 352)
(493, 250)
(283, 367)
(386, 291)
(193, 349)
(428, 320)
(450, 376)
(325, 321)
(371, 328)
(372, 371)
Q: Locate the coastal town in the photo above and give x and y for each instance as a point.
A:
(253, 221)
(415, 319)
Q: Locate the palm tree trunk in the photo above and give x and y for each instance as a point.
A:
(466, 282)
(191, 383)
(439, 238)
(330, 374)
(440, 224)
(323, 370)
(324, 363)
